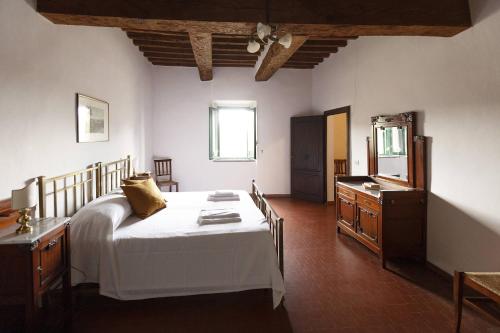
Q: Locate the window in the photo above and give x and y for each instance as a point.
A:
(233, 131)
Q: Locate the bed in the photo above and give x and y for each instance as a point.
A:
(168, 253)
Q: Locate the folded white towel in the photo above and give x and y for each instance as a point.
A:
(229, 198)
(223, 194)
(218, 213)
(202, 221)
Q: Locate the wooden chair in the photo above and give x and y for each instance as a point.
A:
(163, 174)
(340, 167)
(487, 284)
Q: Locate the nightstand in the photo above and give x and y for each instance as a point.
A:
(33, 263)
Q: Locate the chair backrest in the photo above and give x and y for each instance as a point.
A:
(163, 167)
(340, 167)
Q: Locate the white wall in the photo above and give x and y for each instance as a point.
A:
(455, 85)
(181, 101)
(42, 66)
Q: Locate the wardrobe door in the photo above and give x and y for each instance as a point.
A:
(307, 158)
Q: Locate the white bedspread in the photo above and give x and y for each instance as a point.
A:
(169, 254)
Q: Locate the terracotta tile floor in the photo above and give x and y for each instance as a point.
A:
(333, 284)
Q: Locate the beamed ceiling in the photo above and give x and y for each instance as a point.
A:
(207, 34)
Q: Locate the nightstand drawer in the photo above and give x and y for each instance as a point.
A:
(52, 257)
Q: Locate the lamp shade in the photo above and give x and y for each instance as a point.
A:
(253, 46)
(263, 30)
(25, 197)
(286, 40)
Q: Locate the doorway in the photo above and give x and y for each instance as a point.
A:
(337, 157)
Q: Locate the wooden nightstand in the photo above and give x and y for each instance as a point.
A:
(33, 263)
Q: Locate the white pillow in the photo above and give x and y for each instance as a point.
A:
(108, 212)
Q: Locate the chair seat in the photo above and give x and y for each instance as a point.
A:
(489, 281)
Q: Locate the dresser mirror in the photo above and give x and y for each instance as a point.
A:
(391, 148)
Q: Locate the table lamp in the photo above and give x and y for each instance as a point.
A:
(24, 200)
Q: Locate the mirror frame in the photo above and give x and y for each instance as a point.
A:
(407, 119)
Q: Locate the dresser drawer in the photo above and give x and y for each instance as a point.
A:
(368, 203)
(348, 194)
(52, 256)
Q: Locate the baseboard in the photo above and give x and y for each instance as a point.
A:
(330, 203)
(444, 274)
(271, 196)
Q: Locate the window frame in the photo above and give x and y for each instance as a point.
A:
(211, 153)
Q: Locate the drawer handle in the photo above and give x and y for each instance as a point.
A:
(52, 243)
(39, 269)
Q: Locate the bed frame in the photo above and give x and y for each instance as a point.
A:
(64, 195)
(76, 189)
(273, 219)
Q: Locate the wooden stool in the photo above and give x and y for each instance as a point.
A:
(487, 284)
(163, 173)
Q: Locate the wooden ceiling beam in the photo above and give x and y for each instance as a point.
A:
(299, 59)
(160, 63)
(170, 55)
(333, 18)
(158, 38)
(176, 61)
(156, 32)
(236, 52)
(234, 56)
(311, 54)
(302, 62)
(234, 65)
(165, 49)
(169, 50)
(276, 57)
(298, 66)
(214, 61)
(230, 41)
(315, 50)
(202, 49)
(325, 43)
(150, 43)
(328, 49)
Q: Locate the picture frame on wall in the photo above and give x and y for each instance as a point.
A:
(92, 119)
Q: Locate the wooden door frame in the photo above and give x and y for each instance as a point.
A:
(332, 112)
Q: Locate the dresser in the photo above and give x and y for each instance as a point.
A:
(391, 220)
(34, 263)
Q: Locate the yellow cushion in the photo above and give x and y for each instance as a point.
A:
(147, 182)
(144, 197)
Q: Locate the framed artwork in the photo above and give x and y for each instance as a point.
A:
(92, 119)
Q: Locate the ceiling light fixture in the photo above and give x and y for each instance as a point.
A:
(267, 34)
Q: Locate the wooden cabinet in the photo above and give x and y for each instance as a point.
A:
(390, 222)
(34, 263)
(347, 213)
(368, 224)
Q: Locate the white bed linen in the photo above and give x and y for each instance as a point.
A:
(169, 254)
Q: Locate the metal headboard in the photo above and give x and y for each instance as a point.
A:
(76, 188)
(111, 174)
(64, 195)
